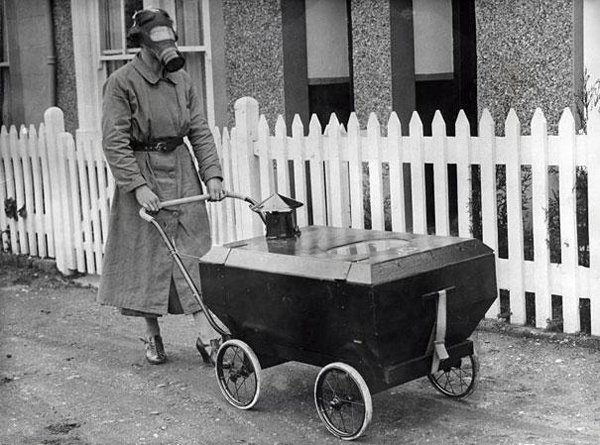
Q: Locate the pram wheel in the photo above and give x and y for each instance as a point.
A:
(457, 379)
(343, 401)
(238, 374)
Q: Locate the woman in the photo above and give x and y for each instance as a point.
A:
(149, 105)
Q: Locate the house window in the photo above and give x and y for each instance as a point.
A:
(190, 19)
(4, 74)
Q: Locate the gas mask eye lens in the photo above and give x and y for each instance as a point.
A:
(160, 33)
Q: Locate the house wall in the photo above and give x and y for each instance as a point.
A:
(526, 58)
(254, 55)
(371, 56)
(591, 37)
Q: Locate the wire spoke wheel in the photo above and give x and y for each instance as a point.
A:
(343, 401)
(457, 380)
(238, 374)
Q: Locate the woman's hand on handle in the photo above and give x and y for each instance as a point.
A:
(147, 198)
(214, 188)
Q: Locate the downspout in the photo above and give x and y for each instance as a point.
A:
(51, 54)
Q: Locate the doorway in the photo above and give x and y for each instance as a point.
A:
(329, 66)
(445, 61)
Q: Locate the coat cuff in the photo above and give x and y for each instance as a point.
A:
(212, 172)
(132, 185)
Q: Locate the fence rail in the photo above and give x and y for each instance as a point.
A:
(503, 189)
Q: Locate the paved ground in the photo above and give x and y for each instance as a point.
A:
(73, 373)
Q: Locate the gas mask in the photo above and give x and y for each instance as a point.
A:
(154, 29)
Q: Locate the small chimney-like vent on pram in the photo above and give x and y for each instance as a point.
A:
(279, 214)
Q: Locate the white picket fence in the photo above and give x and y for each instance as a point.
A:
(66, 189)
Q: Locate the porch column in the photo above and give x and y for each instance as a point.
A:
(383, 59)
(85, 52)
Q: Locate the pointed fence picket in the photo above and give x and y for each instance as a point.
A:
(593, 170)
(298, 149)
(396, 174)
(364, 154)
(416, 158)
(539, 205)
(513, 149)
(348, 178)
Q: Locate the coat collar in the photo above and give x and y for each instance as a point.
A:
(148, 74)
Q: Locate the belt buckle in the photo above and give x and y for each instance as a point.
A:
(161, 146)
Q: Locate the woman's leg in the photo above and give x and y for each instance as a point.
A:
(155, 350)
(152, 326)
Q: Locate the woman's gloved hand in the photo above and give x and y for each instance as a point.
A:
(214, 187)
(147, 198)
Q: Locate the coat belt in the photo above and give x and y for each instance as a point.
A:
(162, 145)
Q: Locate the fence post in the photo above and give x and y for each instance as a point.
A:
(317, 178)
(16, 155)
(440, 175)
(299, 157)
(336, 188)
(514, 217)
(9, 224)
(60, 195)
(593, 168)
(417, 174)
(25, 154)
(281, 157)
(375, 156)
(396, 157)
(463, 174)
(246, 123)
(568, 221)
(489, 212)
(229, 205)
(539, 206)
(38, 200)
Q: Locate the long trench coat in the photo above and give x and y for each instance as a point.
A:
(138, 271)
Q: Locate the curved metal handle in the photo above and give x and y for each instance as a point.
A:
(173, 251)
(196, 198)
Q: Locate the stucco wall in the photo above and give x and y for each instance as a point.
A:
(371, 53)
(66, 94)
(254, 55)
(591, 40)
(525, 58)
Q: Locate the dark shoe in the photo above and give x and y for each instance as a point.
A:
(208, 352)
(155, 351)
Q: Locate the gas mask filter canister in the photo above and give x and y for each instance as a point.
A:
(153, 28)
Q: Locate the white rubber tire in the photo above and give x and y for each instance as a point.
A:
(364, 393)
(219, 372)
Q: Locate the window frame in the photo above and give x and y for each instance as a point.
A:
(5, 102)
(125, 54)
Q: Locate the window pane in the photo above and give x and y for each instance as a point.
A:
(113, 65)
(116, 17)
(189, 22)
(194, 65)
(111, 24)
(3, 34)
(4, 77)
(131, 6)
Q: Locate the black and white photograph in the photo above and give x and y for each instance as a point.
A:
(290, 222)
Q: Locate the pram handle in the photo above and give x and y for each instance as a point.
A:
(173, 251)
(196, 198)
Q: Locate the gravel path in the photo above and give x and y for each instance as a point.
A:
(74, 373)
